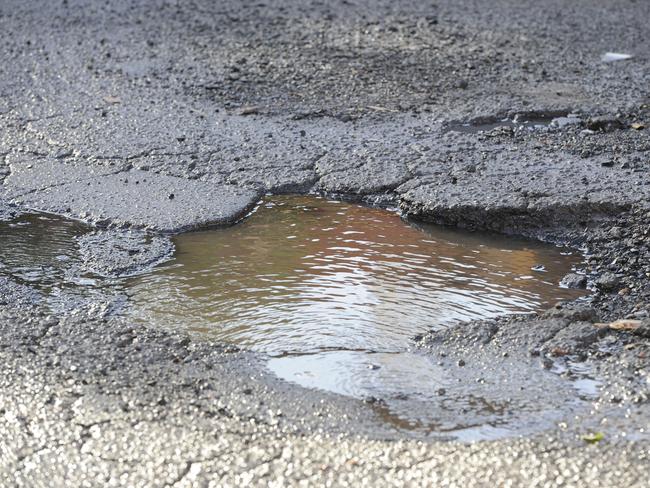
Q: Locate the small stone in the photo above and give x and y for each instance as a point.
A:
(112, 99)
(250, 110)
(371, 400)
(64, 153)
(461, 362)
(171, 196)
(462, 84)
(559, 351)
(615, 233)
(574, 280)
(604, 123)
(643, 330)
(562, 122)
(607, 282)
(613, 57)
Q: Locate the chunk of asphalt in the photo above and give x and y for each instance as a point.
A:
(608, 282)
(563, 122)
(574, 280)
(140, 199)
(7, 211)
(117, 253)
(574, 338)
(573, 313)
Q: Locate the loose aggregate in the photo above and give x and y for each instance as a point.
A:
(150, 118)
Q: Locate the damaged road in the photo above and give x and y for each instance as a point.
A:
(149, 119)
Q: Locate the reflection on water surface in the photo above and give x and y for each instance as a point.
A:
(304, 274)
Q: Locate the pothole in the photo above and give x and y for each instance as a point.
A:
(41, 251)
(519, 123)
(307, 275)
(333, 294)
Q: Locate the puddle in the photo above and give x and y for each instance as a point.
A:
(34, 249)
(414, 393)
(518, 123)
(333, 293)
(309, 275)
(41, 251)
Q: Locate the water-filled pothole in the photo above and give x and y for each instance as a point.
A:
(307, 275)
(333, 293)
(519, 123)
(41, 251)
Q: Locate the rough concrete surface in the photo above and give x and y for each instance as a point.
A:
(151, 118)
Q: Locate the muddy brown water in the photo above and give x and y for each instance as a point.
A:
(307, 275)
(332, 292)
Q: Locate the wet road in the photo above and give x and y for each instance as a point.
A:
(156, 117)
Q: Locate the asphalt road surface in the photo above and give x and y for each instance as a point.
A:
(151, 118)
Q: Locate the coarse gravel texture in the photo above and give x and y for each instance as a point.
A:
(146, 119)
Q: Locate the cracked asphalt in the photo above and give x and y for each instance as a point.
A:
(145, 119)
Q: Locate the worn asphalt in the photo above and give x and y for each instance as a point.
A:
(146, 119)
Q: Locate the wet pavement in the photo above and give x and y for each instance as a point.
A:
(153, 118)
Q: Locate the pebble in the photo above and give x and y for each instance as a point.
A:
(574, 280)
(607, 282)
(604, 123)
(562, 122)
